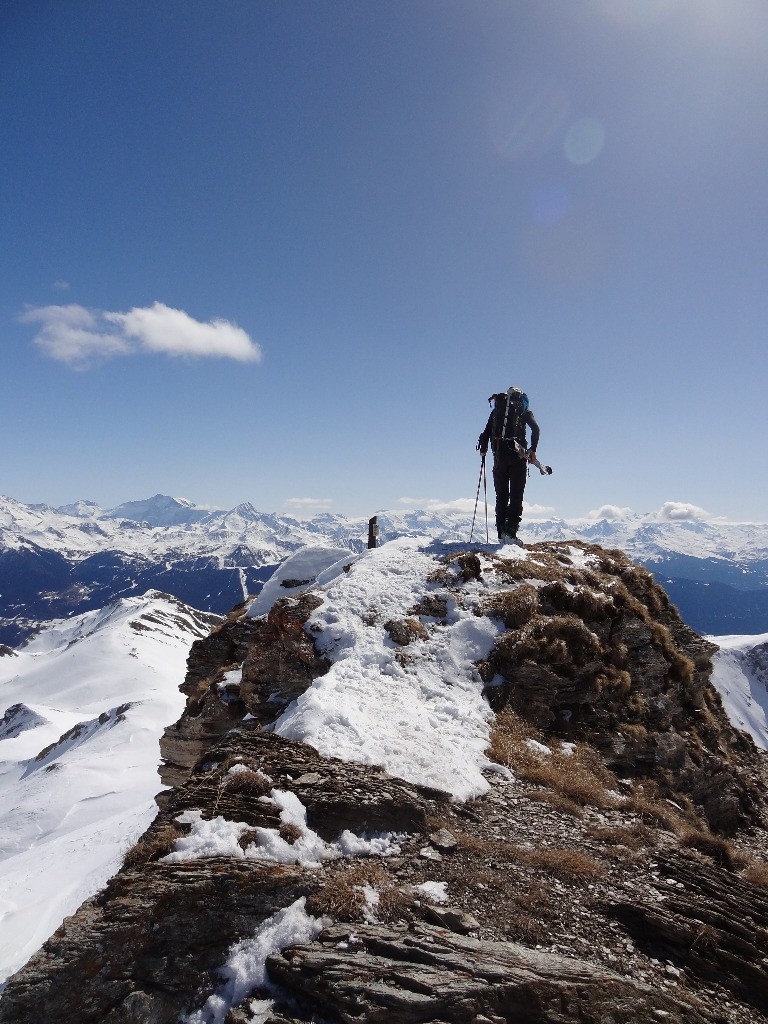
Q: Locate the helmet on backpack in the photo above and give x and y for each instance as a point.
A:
(518, 394)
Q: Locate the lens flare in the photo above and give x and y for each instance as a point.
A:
(530, 119)
(584, 140)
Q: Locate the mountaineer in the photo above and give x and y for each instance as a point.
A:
(505, 430)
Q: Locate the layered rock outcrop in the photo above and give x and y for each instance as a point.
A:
(611, 873)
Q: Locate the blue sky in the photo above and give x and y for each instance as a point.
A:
(283, 250)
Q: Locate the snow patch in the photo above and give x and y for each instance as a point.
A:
(422, 717)
(244, 971)
(312, 566)
(219, 837)
(435, 892)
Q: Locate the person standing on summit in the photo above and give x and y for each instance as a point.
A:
(506, 431)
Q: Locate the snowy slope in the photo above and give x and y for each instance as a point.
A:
(741, 677)
(429, 723)
(83, 706)
(421, 717)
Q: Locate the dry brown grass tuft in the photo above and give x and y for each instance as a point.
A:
(543, 567)
(525, 929)
(626, 603)
(556, 800)
(343, 897)
(719, 849)
(393, 903)
(467, 563)
(526, 905)
(580, 776)
(640, 583)
(404, 631)
(248, 838)
(490, 849)
(434, 606)
(757, 874)
(584, 602)
(508, 735)
(654, 811)
(530, 907)
(290, 832)
(563, 863)
(557, 641)
(152, 847)
(251, 782)
(634, 837)
(680, 666)
(514, 608)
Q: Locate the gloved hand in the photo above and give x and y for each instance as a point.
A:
(480, 446)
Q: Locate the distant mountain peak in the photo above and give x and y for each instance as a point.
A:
(83, 508)
(159, 510)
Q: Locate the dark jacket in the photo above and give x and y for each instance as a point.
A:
(526, 421)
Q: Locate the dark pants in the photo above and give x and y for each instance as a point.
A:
(509, 475)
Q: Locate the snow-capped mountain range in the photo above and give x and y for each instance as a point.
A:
(61, 561)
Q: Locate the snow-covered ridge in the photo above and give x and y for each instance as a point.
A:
(82, 708)
(423, 718)
(741, 677)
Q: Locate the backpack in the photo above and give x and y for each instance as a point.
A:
(509, 411)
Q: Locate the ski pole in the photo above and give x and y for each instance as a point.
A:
(485, 496)
(477, 496)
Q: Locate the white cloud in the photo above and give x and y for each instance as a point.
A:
(73, 334)
(309, 503)
(609, 512)
(159, 328)
(465, 506)
(462, 505)
(79, 336)
(61, 286)
(677, 510)
(538, 510)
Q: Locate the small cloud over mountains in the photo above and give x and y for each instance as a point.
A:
(609, 512)
(677, 510)
(538, 510)
(670, 511)
(78, 336)
(462, 505)
(307, 504)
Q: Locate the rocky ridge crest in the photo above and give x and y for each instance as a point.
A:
(611, 873)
